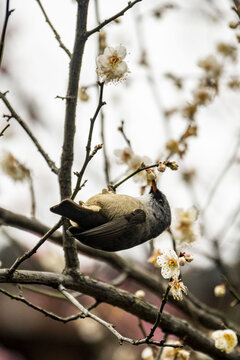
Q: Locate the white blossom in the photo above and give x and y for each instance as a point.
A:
(171, 353)
(185, 229)
(225, 340)
(177, 288)
(169, 264)
(110, 65)
(147, 354)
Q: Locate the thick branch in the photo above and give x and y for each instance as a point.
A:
(108, 293)
(208, 317)
(65, 172)
(21, 122)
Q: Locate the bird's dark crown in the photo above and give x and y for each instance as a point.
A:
(157, 195)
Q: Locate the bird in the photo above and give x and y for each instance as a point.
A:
(114, 222)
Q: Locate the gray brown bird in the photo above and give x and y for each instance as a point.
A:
(114, 222)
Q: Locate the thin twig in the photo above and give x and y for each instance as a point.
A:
(159, 315)
(4, 30)
(4, 129)
(112, 18)
(101, 47)
(32, 194)
(105, 156)
(231, 289)
(29, 253)
(57, 36)
(141, 168)
(21, 122)
(88, 156)
(140, 325)
(159, 354)
(173, 239)
(121, 129)
(41, 310)
(109, 326)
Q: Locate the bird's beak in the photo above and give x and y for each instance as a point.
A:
(154, 186)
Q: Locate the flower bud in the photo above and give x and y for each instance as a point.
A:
(161, 167)
(189, 257)
(151, 175)
(233, 24)
(173, 165)
(182, 261)
(220, 290)
(140, 294)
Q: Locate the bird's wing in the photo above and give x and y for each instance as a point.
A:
(86, 218)
(114, 235)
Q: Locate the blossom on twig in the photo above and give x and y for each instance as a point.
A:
(171, 353)
(225, 340)
(110, 65)
(177, 288)
(185, 229)
(169, 264)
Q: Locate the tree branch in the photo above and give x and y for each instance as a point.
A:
(4, 30)
(57, 36)
(89, 156)
(208, 317)
(21, 122)
(41, 310)
(4, 129)
(65, 172)
(29, 253)
(117, 297)
(112, 18)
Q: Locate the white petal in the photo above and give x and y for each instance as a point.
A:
(102, 61)
(193, 213)
(109, 51)
(121, 51)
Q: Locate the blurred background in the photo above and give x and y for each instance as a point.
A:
(183, 59)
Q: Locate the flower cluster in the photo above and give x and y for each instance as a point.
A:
(170, 263)
(13, 168)
(225, 340)
(170, 269)
(185, 229)
(110, 65)
(170, 164)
